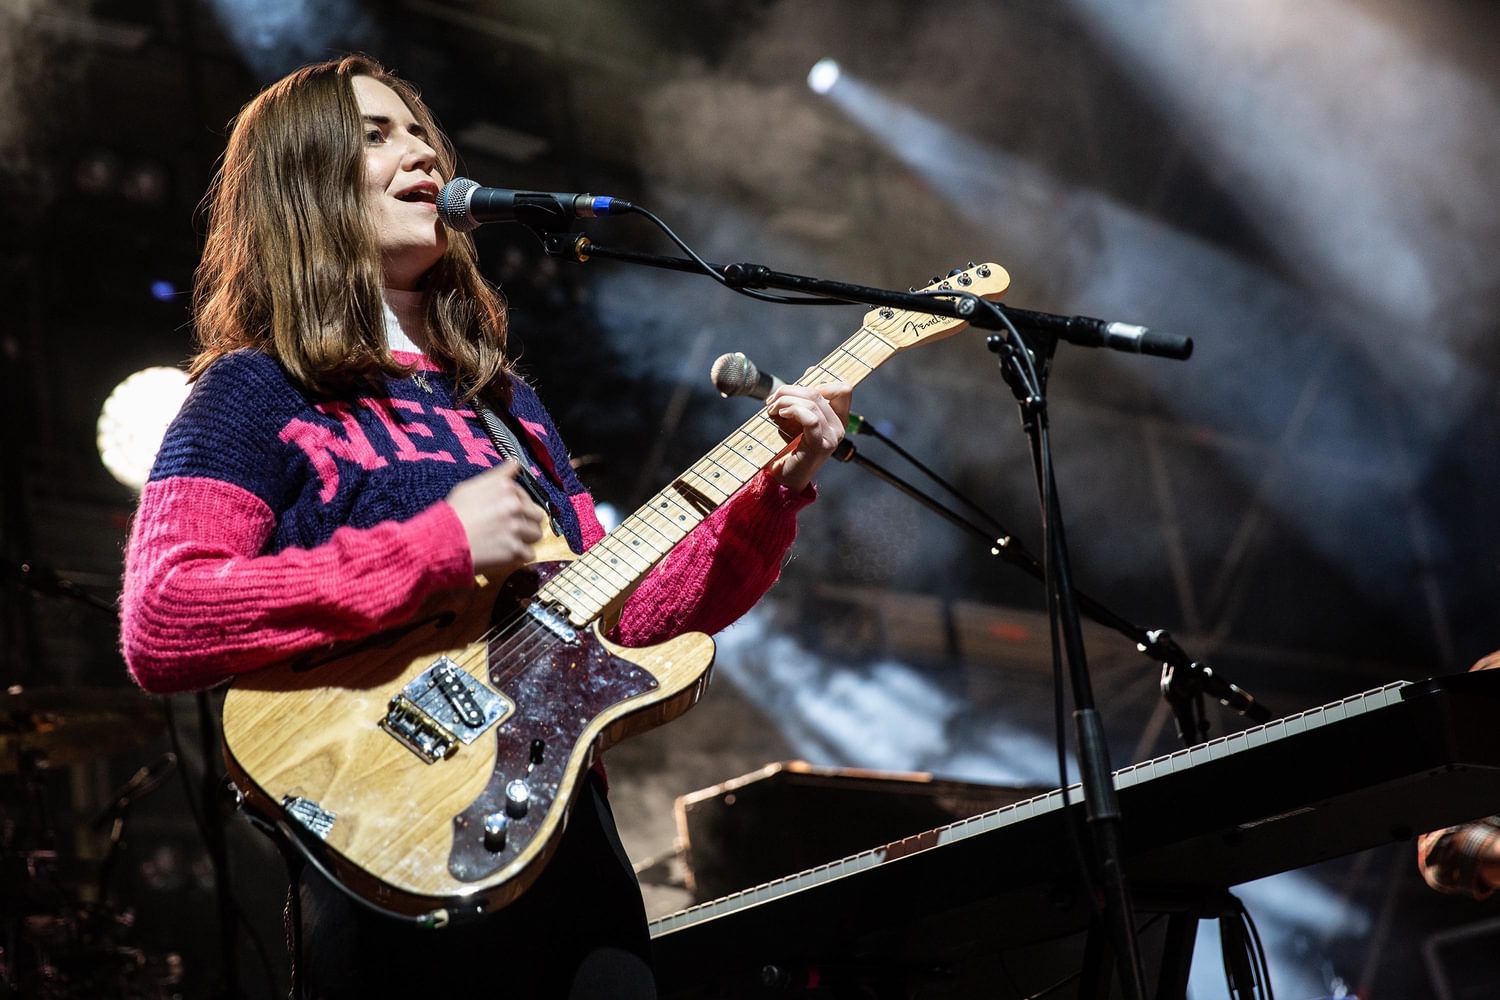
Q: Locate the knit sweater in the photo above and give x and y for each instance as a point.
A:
(273, 523)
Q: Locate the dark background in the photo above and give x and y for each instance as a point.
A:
(1306, 189)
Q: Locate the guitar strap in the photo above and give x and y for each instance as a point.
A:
(509, 445)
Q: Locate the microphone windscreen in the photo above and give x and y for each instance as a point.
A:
(734, 374)
(453, 204)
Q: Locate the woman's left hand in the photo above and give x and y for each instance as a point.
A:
(815, 417)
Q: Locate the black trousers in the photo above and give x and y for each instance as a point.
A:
(579, 932)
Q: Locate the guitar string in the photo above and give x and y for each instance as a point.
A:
(523, 642)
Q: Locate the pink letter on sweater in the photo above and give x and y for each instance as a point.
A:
(478, 450)
(405, 450)
(321, 446)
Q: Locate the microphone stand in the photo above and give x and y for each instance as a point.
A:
(1102, 804)
(1189, 680)
(1101, 801)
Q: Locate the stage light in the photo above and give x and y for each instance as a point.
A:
(134, 418)
(97, 172)
(163, 291)
(823, 75)
(275, 36)
(608, 514)
(144, 183)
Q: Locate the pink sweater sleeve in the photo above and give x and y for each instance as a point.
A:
(718, 572)
(200, 603)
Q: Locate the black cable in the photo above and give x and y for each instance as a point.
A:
(1032, 380)
(721, 279)
(1260, 953)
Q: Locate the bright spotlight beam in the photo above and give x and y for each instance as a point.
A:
(823, 75)
(134, 419)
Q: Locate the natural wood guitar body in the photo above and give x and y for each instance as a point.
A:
(407, 834)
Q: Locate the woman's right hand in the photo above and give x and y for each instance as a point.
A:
(501, 521)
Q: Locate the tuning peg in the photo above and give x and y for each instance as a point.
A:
(956, 271)
(935, 279)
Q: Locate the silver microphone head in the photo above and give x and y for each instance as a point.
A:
(734, 375)
(453, 204)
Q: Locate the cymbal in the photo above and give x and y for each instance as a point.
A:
(59, 727)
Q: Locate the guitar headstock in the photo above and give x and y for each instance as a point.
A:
(903, 328)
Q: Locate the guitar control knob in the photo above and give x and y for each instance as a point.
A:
(495, 827)
(517, 799)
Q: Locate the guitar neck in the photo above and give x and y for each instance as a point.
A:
(598, 579)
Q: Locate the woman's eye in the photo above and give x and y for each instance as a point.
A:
(373, 135)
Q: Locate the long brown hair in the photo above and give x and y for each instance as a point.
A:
(291, 265)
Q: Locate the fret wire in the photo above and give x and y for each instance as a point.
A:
(852, 363)
(619, 554)
(704, 469)
(638, 521)
(600, 567)
(573, 579)
(770, 437)
(831, 376)
(687, 511)
(580, 603)
(669, 499)
(741, 451)
(851, 348)
(645, 518)
(630, 526)
(706, 484)
(848, 369)
(726, 454)
(667, 528)
(716, 481)
(872, 342)
(847, 351)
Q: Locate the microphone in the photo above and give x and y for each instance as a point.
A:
(1086, 331)
(463, 205)
(736, 375)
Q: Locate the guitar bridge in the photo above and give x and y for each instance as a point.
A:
(442, 708)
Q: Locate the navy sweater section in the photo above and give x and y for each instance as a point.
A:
(321, 465)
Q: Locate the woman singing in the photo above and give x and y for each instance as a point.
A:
(329, 473)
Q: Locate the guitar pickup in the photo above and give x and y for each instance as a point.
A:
(443, 708)
(554, 618)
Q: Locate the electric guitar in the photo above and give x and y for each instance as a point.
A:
(429, 769)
